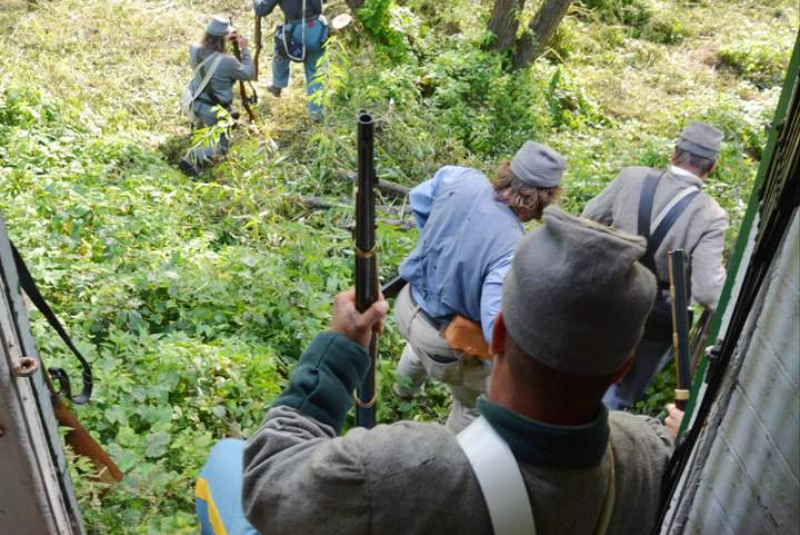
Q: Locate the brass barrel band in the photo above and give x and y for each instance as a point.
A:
(681, 394)
(367, 254)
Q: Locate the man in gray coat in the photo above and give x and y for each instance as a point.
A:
(573, 309)
(210, 59)
(640, 200)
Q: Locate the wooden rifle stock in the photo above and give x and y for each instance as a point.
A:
(84, 445)
(257, 54)
(242, 88)
(366, 268)
(81, 442)
(680, 327)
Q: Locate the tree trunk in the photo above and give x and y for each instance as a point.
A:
(505, 22)
(541, 29)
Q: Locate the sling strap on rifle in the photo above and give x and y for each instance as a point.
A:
(58, 374)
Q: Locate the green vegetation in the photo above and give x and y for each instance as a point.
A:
(193, 298)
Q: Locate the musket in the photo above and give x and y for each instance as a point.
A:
(246, 101)
(393, 287)
(257, 54)
(680, 327)
(366, 268)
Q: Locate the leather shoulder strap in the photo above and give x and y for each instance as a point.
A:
(28, 285)
(207, 75)
(668, 221)
(646, 203)
(500, 479)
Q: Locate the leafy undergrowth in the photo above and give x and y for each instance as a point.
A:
(193, 298)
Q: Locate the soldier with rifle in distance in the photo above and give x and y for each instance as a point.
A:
(211, 87)
(469, 228)
(299, 39)
(669, 209)
(545, 456)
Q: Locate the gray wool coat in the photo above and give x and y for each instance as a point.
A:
(228, 72)
(412, 478)
(700, 230)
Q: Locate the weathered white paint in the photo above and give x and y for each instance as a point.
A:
(749, 481)
(34, 500)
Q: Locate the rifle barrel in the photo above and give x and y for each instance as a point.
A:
(257, 36)
(680, 326)
(366, 269)
(242, 89)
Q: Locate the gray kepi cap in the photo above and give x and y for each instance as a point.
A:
(538, 165)
(701, 139)
(220, 26)
(576, 298)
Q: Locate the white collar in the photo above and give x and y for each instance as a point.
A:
(680, 171)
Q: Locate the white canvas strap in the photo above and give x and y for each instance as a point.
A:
(302, 37)
(675, 200)
(204, 82)
(500, 479)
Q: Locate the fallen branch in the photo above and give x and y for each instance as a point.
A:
(318, 203)
(386, 186)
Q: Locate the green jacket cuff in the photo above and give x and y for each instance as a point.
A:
(321, 385)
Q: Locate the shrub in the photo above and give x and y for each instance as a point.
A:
(633, 13)
(665, 28)
(758, 61)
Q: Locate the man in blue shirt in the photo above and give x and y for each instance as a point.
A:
(469, 228)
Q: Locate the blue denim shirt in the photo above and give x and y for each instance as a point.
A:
(467, 241)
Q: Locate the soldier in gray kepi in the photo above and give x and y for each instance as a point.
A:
(211, 87)
(469, 228)
(573, 309)
(669, 209)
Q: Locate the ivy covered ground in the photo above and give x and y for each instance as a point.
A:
(192, 298)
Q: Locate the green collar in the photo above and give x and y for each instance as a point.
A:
(549, 445)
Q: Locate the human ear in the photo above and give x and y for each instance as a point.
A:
(499, 335)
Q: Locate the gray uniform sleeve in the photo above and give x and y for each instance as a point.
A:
(295, 471)
(601, 208)
(232, 69)
(264, 7)
(300, 479)
(708, 273)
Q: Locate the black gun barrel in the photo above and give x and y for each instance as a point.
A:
(680, 326)
(366, 273)
(393, 287)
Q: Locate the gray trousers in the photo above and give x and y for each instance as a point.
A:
(651, 357)
(466, 380)
(205, 155)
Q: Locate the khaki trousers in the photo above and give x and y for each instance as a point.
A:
(466, 380)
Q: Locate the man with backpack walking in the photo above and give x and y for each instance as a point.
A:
(299, 39)
(669, 209)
